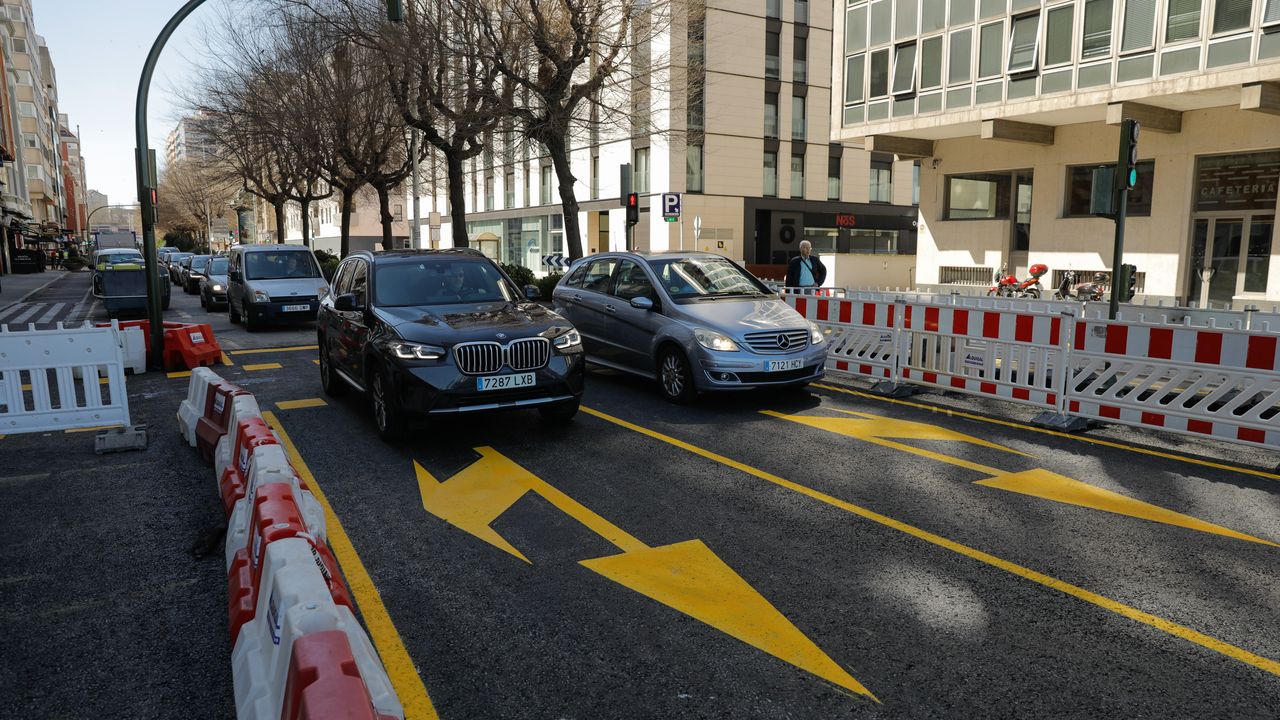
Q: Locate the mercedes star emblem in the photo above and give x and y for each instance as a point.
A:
(783, 341)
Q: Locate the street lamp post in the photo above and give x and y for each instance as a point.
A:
(147, 183)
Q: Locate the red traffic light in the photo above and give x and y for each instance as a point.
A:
(633, 199)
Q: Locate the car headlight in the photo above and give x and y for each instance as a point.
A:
(415, 351)
(261, 296)
(568, 340)
(817, 337)
(217, 287)
(712, 340)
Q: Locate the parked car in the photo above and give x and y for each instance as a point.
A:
(692, 321)
(193, 273)
(273, 284)
(118, 259)
(175, 266)
(436, 332)
(213, 287)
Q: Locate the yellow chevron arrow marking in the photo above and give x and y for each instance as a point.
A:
(1052, 486)
(689, 578)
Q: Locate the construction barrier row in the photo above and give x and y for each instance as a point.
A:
(297, 649)
(1205, 381)
(186, 345)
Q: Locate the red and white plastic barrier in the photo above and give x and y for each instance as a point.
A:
(243, 407)
(268, 466)
(325, 681)
(250, 433)
(212, 426)
(192, 409)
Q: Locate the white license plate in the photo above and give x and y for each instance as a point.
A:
(295, 308)
(504, 382)
(780, 365)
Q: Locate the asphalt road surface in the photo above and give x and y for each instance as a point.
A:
(802, 554)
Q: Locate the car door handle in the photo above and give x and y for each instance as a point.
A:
(577, 298)
(610, 309)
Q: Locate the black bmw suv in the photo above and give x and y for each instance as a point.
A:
(444, 331)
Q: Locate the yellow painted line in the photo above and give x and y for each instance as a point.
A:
(226, 359)
(395, 658)
(179, 374)
(259, 351)
(1146, 618)
(263, 366)
(1045, 431)
(92, 429)
(301, 404)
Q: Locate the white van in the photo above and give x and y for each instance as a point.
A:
(273, 284)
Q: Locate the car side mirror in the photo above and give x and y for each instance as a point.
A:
(642, 303)
(345, 303)
(532, 292)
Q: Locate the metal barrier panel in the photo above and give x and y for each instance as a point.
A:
(1223, 383)
(861, 336)
(61, 379)
(1016, 356)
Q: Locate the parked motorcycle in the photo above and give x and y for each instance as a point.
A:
(1009, 286)
(1086, 291)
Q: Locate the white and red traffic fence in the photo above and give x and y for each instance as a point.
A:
(297, 649)
(1222, 382)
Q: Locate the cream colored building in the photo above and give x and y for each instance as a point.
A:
(749, 149)
(1011, 104)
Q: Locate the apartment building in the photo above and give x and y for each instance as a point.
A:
(736, 120)
(1011, 104)
(189, 139)
(73, 181)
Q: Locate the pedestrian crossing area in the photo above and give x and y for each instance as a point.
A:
(44, 315)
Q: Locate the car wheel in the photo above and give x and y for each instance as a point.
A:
(561, 412)
(332, 385)
(387, 417)
(675, 377)
(204, 303)
(249, 324)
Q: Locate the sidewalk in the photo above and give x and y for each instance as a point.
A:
(13, 288)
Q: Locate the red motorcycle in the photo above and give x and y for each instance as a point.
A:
(1010, 287)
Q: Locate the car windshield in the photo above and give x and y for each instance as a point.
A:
(439, 281)
(280, 264)
(122, 258)
(697, 277)
(198, 262)
(218, 266)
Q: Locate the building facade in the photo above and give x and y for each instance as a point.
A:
(1012, 104)
(189, 139)
(736, 120)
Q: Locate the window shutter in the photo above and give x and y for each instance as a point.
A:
(1272, 12)
(1139, 25)
(1231, 15)
(1097, 28)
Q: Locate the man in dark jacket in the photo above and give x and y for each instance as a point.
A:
(806, 269)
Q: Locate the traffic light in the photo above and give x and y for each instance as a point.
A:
(633, 208)
(1127, 282)
(395, 10)
(1128, 167)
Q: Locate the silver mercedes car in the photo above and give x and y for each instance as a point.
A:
(693, 321)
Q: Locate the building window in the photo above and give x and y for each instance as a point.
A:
(982, 196)
(773, 9)
(855, 77)
(772, 49)
(509, 190)
(1139, 28)
(990, 47)
(798, 124)
(1183, 22)
(880, 28)
(1080, 189)
(855, 29)
(802, 12)
(488, 193)
(1023, 43)
(904, 69)
(25, 78)
(881, 190)
(800, 60)
(771, 174)
(35, 172)
(546, 184)
(905, 19)
(915, 183)
(640, 177)
(19, 45)
(833, 177)
(1057, 35)
(1229, 15)
(797, 176)
(1097, 29)
(879, 74)
(693, 168)
(1270, 15)
(931, 63)
(26, 109)
(595, 177)
(31, 141)
(771, 114)
(959, 56)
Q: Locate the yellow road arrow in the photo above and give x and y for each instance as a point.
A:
(687, 577)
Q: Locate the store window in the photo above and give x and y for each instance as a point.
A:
(1237, 182)
(1080, 189)
(979, 196)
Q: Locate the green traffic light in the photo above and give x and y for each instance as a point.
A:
(1133, 177)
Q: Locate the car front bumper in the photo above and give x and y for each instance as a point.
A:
(275, 311)
(714, 371)
(443, 389)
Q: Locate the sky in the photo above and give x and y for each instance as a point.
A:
(98, 49)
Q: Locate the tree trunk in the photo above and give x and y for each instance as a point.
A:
(347, 195)
(281, 230)
(559, 152)
(384, 208)
(306, 222)
(457, 200)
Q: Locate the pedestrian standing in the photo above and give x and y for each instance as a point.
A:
(806, 269)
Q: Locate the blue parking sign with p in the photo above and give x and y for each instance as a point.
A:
(671, 204)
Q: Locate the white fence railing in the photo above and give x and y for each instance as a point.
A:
(61, 379)
(1221, 382)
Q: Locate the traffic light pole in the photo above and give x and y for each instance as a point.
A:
(1126, 164)
(147, 184)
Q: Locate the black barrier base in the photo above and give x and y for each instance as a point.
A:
(1050, 420)
(886, 388)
